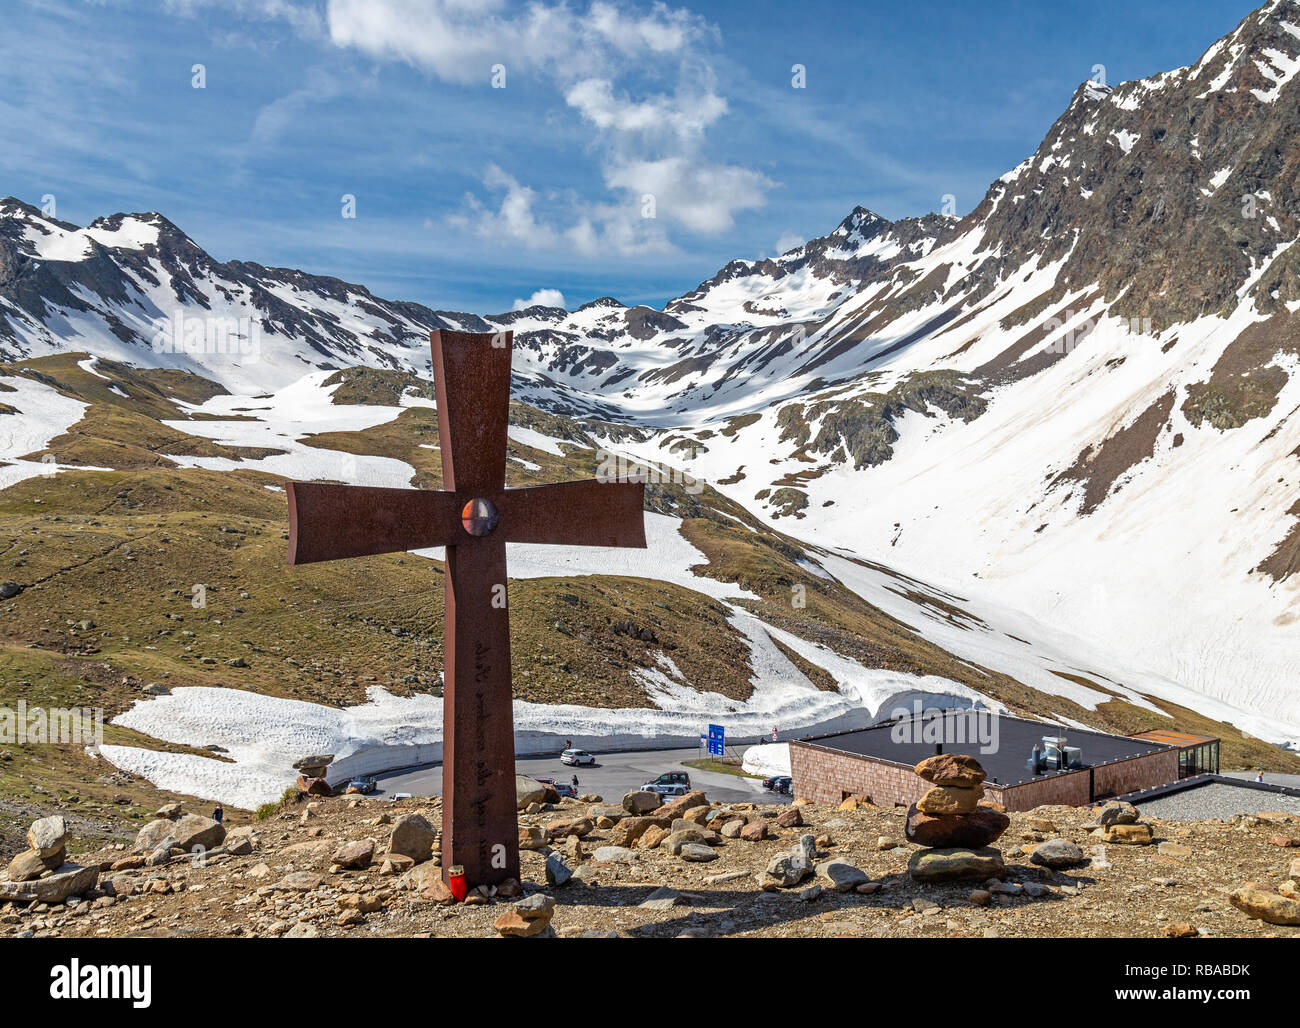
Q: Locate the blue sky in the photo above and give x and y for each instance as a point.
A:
(470, 197)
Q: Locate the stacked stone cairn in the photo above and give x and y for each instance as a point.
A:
(311, 774)
(1117, 823)
(956, 829)
(42, 873)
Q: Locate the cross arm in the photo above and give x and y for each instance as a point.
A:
(327, 522)
(586, 513)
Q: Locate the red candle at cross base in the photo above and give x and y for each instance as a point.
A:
(456, 882)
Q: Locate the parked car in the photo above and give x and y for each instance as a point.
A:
(779, 783)
(672, 783)
(565, 789)
(577, 758)
(362, 783)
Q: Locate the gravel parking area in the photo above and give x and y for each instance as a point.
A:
(1217, 800)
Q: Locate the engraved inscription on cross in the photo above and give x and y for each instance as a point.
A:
(473, 517)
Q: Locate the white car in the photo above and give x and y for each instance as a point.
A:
(577, 758)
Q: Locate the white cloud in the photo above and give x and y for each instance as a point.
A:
(703, 197)
(459, 40)
(513, 219)
(543, 297)
(788, 241)
(648, 145)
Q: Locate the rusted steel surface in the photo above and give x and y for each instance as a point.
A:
(474, 517)
(575, 514)
(471, 375)
(480, 828)
(329, 522)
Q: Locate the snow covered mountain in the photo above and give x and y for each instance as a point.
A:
(1076, 409)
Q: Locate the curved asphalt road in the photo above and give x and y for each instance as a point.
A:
(614, 775)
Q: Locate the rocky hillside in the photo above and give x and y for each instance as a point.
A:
(347, 866)
(1045, 457)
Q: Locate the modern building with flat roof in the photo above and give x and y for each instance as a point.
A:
(1028, 763)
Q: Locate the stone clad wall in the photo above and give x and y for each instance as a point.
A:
(1070, 790)
(825, 776)
(1144, 772)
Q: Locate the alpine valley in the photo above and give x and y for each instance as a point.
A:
(1045, 457)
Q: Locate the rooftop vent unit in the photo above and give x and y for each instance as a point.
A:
(1053, 755)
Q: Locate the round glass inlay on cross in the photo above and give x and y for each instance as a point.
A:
(479, 517)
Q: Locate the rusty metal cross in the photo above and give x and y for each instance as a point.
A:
(474, 517)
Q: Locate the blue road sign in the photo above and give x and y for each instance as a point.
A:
(717, 740)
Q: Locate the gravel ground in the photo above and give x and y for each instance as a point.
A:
(1217, 801)
(287, 886)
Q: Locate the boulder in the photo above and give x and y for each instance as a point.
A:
(569, 826)
(531, 837)
(26, 866)
(955, 769)
(188, 832)
(1057, 853)
(678, 806)
(48, 835)
(691, 836)
(606, 810)
(1123, 834)
(697, 852)
(614, 855)
(630, 829)
(950, 799)
(360, 901)
(68, 880)
(955, 864)
(313, 786)
(313, 761)
(526, 918)
(651, 838)
(787, 869)
(731, 829)
(168, 810)
(558, 870)
(755, 831)
(717, 820)
(842, 876)
(1116, 812)
(357, 854)
(665, 898)
(790, 817)
(641, 802)
(396, 864)
(1265, 904)
(413, 836)
(528, 790)
(54, 862)
(974, 830)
